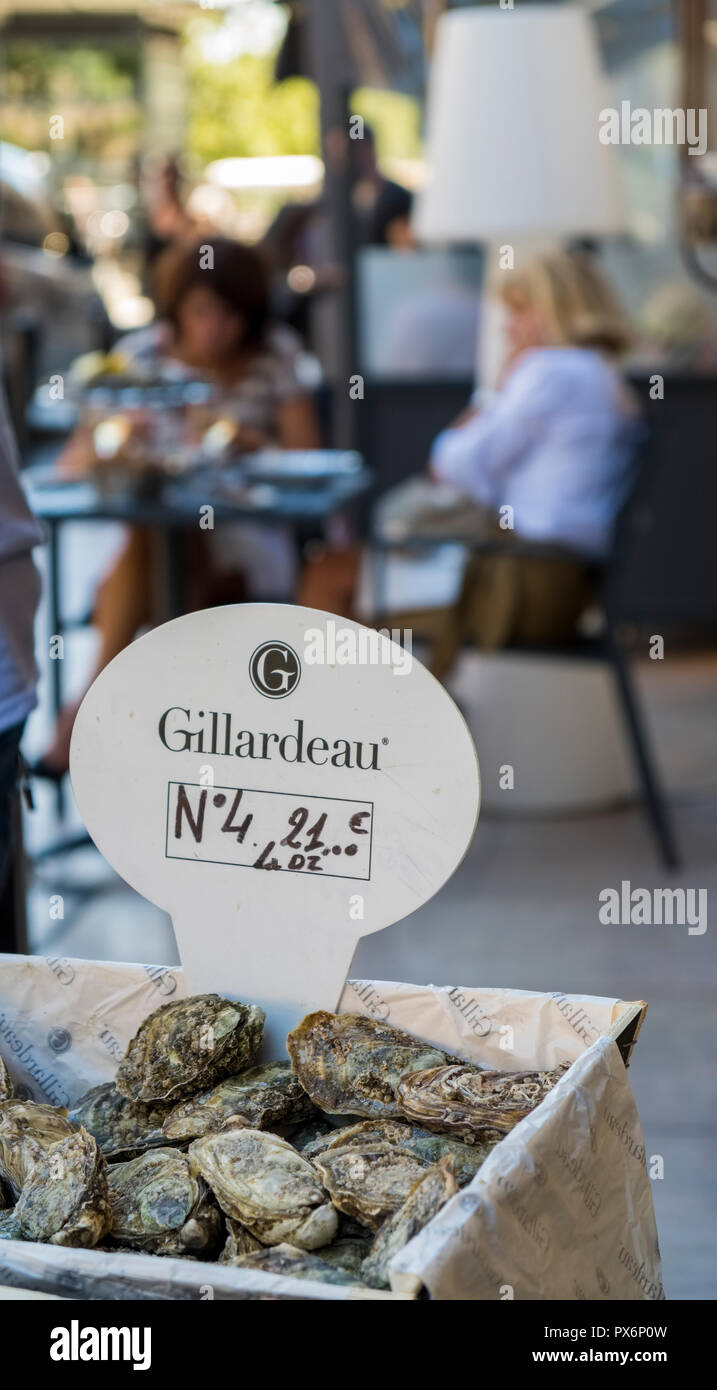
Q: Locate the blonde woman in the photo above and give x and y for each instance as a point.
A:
(540, 471)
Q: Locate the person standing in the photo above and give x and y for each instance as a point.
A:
(20, 532)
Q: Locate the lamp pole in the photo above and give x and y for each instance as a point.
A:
(327, 61)
(697, 210)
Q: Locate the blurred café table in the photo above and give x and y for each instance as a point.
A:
(301, 490)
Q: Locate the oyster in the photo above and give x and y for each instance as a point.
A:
(65, 1199)
(239, 1241)
(422, 1142)
(347, 1253)
(350, 1229)
(27, 1130)
(313, 1133)
(263, 1182)
(287, 1259)
(121, 1127)
(468, 1101)
(264, 1096)
(187, 1045)
(426, 1197)
(5, 1082)
(319, 1143)
(369, 1182)
(9, 1225)
(160, 1205)
(352, 1064)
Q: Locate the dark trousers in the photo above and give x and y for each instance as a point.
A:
(9, 765)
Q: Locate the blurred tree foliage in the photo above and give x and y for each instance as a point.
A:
(395, 119)
(41, 71)
(236, 108)
(94, 89)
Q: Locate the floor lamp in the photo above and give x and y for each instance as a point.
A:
(513, 139)
(515, 159)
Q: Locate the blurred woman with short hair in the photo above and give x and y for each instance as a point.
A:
(213, 323)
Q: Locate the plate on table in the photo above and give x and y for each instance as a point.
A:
(300, 468)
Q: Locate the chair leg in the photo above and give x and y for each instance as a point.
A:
(13, 913)
(653, 797)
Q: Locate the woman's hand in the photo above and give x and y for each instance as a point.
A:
(104, 441)
(248, 439)
(77, 456)
(509, 361)
(464, 418)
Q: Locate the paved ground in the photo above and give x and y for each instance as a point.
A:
(522, 912)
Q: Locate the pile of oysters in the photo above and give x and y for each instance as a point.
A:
(322, 1167)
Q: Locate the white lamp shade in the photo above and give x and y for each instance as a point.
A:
(512, 129)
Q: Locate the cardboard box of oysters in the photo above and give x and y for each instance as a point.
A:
(255, 1124)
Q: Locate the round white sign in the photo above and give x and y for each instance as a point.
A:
(282, 782)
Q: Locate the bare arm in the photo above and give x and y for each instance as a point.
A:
(78, 453)
(298, 427)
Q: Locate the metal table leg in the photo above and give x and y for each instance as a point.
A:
(169, 573)
(379, 566)
(55, 606)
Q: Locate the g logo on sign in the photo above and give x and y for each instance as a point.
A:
(275, 670)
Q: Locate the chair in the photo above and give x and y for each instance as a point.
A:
(660, 574)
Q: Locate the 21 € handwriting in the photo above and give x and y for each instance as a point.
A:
(253, 829)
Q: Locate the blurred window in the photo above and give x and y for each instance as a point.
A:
(418, 313)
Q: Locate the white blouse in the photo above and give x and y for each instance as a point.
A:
(556, 444)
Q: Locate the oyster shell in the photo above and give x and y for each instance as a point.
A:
(468, 1101)
(347, 1253)
(263, 1182)
(350, 1229)
(239, 1241)
(371, 1181)
(264, 1096)
(426, 1197)
(306, 1136)
(187, 1045)
(6, 1088)
(422, 1142)
(352, 1064)
(27, 1131)
(287, 1259)
(65, 1199)
(122, 1128)
(160, 1205)
(10, 1226)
